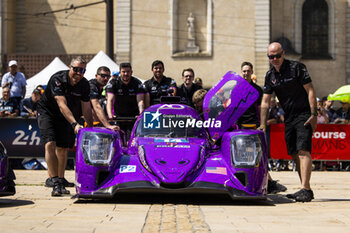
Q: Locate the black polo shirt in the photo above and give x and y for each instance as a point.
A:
(251, 116)
(125, 103)
(186, 95)
(59, 85)
(156, 89)
(288, 84)
(95, 89)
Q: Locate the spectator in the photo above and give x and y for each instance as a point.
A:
(342, 115)
(103, 74)
(198, 81)
(328, 108)
(158, 85)
(125, 97)
(292, 85)
(8, 106)
(186, 90)
(115, 74)
(65, 100)
(197, 99)
(15, 81)
(41, 88)
(274, 113)
(322, 117)
(28, 105)
(254, 78)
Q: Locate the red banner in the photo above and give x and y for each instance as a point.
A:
(329, 142)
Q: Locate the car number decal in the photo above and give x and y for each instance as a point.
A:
(127, 168)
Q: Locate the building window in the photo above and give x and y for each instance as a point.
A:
(315, 29)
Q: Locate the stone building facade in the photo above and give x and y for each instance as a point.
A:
(225, 33)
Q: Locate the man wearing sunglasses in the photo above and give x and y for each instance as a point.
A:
(103, 74)
(65, 100)
(293, 87)
(125, 97)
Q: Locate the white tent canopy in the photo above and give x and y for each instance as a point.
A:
(42, 78)
(100, 59)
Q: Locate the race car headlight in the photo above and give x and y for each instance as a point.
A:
(201, 158)
(246, 150)
(97, 148)
(141, 152)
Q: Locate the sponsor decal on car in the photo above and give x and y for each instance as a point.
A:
(127, 168)
(171, 140)
(155, 120)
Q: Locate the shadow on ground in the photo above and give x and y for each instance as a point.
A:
(5, 203)
(187, 199)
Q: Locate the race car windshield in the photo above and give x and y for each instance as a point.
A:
(170, 126)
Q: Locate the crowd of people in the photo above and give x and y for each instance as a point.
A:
(69, 98)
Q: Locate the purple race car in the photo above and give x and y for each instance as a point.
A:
(7, 186)
(172, 149)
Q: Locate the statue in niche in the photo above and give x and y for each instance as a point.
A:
(190, 24)
(191, 44)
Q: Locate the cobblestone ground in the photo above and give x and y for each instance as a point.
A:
(175, 218)
(33, 209)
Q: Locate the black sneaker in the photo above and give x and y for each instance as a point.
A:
(66, 183)
(303, 195)
(274, 187)
(56, 190)
(49, 182)
(63, 188)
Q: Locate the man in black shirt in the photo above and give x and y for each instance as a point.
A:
(292, 85)
(65, 100)
(186, 90)
(127, 93)
(158, 85)
(103, 74)
(251, 116)
(251, 120)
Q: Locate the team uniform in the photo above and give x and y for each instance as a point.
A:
(157, 90)
(125, 103)
(95, 89)
(96, 93)
(186, 95)
(52, 124)
(251, 115)
(288, 84)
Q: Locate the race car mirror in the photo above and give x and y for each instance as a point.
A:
(227, 101)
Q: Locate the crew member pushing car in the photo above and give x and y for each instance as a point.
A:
(65, 100)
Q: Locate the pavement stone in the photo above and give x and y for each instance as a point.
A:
(33, 209)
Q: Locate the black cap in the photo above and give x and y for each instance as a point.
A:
(37, 91)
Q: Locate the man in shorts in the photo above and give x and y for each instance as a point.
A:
(292, 85)
(65, 100)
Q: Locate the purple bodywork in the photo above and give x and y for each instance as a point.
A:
(7, 185)
(169, 151)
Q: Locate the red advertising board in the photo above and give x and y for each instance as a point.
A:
(329, 142)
